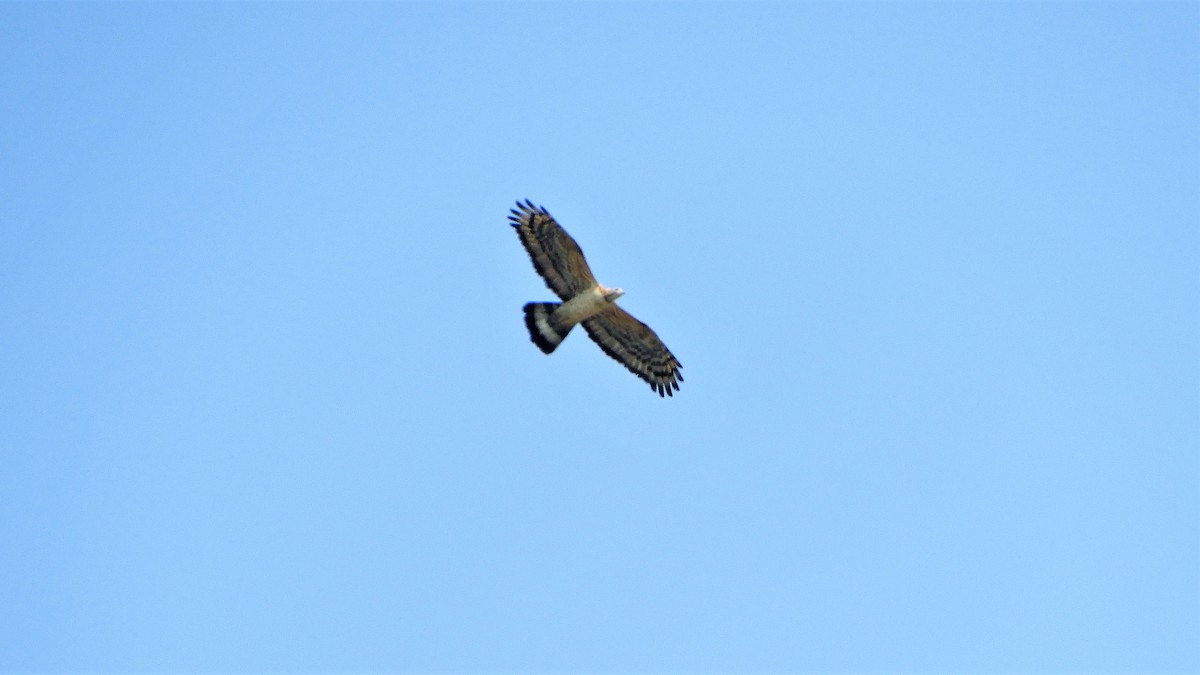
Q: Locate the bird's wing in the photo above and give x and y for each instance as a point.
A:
(555, 254)
(637, 347)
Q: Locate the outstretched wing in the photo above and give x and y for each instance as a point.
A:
(555, 254)
(637, 347)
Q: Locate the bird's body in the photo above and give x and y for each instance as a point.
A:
(549, 322)
(584, 305)
(559, 260)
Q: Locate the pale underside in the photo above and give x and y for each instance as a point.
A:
(583, 306)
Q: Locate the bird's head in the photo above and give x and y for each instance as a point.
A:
(611, 294)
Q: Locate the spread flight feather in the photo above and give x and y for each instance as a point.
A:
(559, 260)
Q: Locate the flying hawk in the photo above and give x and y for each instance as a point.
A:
(559, 260)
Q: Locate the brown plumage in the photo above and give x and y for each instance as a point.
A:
(559, 260)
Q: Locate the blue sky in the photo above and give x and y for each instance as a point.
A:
(267, 401)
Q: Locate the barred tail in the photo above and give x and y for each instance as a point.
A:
(543, 330)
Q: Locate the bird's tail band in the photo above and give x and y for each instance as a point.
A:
(546, 333)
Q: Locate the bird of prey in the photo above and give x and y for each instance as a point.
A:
(558, 259)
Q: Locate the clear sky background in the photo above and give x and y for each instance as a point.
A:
(267, 401)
